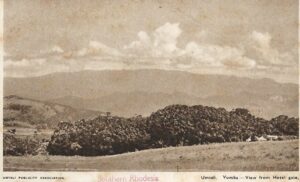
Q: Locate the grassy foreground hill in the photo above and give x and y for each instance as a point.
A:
(256, 156)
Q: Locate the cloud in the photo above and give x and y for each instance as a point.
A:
(24, 63)
(215, 55)
(161, 45)
(57, 49)
(97, 48)
(141, 47)
(165, 39)
(162, 42)
(39, 66)
(260, 48)
(262, 39)
(160, 50)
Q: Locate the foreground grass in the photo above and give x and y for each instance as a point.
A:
(257, 156)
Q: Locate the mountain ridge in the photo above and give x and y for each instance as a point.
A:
(142, 103)
(151, 70)
(123, 84)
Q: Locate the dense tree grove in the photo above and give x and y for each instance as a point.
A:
(100, 136)
(174, 125)
(283, 125)
(20, 146)
(183, 125)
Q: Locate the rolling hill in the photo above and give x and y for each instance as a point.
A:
(22, 112)
(130, 92)
(144, 103)
(128, 104)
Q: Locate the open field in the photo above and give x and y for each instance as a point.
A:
(257, 156)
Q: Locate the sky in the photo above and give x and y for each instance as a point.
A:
(255, 39)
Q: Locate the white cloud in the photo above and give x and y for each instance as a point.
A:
(39, 66)
(162, 45)
(144, 37)
(82, 52)
(57, 49)
(215, 55)
(261, 48)
(162, 42)
(159, 49)
(141, 47)
(262, 39)
(98, 48)
(24, 63)
(144, 42)
(165, 39)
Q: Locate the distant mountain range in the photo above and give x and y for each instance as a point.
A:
(140, 92)
(22, 112)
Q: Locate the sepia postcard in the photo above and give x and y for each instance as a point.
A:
(149, 90)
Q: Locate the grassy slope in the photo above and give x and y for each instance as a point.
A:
(21, 112)
(259, 156)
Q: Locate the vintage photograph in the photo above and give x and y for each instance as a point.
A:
(150, 85)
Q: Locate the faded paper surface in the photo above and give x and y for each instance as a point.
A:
(154, 62)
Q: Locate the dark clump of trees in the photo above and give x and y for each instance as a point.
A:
(20, 146)
(284, 125)
(101, 136)
(182, 125)
(175, 125)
